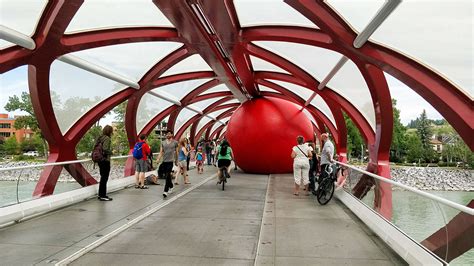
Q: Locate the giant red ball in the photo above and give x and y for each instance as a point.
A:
(262, 132)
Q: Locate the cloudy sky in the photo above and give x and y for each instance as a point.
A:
(436, 33)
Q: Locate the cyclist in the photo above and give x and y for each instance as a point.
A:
(224, 156)
(327, 154)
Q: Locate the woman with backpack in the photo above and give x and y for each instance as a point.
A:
(104, 164)
(140, 152)
(224, 157)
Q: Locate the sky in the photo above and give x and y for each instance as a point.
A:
(435, 33)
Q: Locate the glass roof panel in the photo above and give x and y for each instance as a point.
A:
(183, 117)
(13, 82)
(131, 60)
(218, 112)
(438, 34)
(202, 123)
(193, 63)
(308, 114)
(180, 89)
(232, 101)
(350, 84)
(225, 119)
(75, 91)
(257, 12)
(265, 88)
(263, 65)
(218, 88)
(297, 89)
(322, 106)
(215, 126)
(357, 13)
(149, 107)
(26, 22)
(100, 14)
(314, 60)
(205, 103)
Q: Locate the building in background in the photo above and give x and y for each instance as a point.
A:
(7, 129)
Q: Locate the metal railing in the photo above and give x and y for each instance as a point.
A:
(441, 200)
(423, 217)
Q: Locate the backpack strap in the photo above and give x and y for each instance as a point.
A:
(305, 155)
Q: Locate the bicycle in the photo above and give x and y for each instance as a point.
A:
(326, 188)
(223, 177)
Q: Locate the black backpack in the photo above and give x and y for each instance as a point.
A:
(98, 152)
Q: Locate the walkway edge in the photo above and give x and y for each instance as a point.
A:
(262, 223)
(129, 224)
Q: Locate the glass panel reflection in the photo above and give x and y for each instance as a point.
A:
(149, 107)
(193, 63)
(263, 65)
(180, 89)
(253, 13)
(182, 118)
(24, 23)
(75, 91)
(131, 60)
(101, 14)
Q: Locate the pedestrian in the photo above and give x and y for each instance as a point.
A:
(141, 152)
(169, 154)
(300, 154)
(182, 155)
(313, 168)
(208, 152)
(200, 160)
(224, 157)
(188, 157)
(104, 165)
(327, 153)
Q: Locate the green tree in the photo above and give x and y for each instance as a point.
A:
(86, 144)
(119, 138)
(398, 145)
(414, 148)
(23, 103)
(11, 146)
(355, 142)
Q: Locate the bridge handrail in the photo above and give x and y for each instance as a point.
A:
(61, 163)
(441, 200)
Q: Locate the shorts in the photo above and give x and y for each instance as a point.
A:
(182, 163)
(140, 166)
(223, 162)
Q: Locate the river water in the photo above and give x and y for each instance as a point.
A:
(416, 216)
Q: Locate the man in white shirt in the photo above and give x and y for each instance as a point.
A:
(327, 153)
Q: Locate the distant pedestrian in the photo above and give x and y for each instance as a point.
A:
(104, 165)
(182, 155)
(141, 152)
(200, 160)
(300, 154)
(169, 153)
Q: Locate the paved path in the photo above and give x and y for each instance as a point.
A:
(298, 231)
(206, 226)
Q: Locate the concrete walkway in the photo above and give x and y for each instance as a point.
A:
(297, 230)
(206, 226)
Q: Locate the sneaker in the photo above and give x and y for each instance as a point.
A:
(170, 190)
(165, 195)
(105, 198)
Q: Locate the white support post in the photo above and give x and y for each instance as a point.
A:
(83, 64)
(18, 38)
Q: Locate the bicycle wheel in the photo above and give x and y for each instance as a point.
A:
(325, 191)
(224, 177)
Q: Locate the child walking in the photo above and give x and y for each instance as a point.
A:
(200, 160)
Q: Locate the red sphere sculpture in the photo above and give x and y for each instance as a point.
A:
(262, 132)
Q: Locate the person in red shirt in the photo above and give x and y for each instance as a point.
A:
(141, 165)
